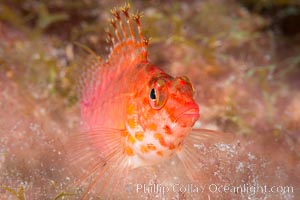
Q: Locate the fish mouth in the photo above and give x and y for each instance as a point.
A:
(188, 116)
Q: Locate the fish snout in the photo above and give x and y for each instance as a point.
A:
(189, 116)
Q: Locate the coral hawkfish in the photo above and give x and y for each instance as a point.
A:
(134, 114)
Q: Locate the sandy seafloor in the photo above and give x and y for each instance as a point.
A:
(246, 76)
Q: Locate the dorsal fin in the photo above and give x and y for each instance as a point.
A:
(89, 78)
(128, 46)
(123, 39)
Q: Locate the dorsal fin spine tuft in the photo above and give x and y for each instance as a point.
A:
(124, 36)
(125, 11)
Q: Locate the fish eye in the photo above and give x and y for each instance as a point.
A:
(158, 95)
(152, 94)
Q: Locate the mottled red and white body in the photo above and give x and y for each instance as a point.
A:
(133, 113)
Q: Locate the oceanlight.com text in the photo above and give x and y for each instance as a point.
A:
(211, 188)
(249, 189)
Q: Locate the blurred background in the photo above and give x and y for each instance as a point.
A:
(243, 57)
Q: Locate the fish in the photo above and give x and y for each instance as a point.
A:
(133, 114)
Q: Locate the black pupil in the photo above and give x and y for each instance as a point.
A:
(152, 94)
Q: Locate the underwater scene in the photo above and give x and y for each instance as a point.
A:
(179, 100)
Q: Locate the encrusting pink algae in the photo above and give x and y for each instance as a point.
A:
(134, 131)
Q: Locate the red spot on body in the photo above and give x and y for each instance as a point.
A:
(160, 138)
(160, 153)
(124, 133)
(129, 151)
(151, 147)
(139, 136)
(162, 142)
(144, 149)
(168, 130)
(152, 127)
(171, 146)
